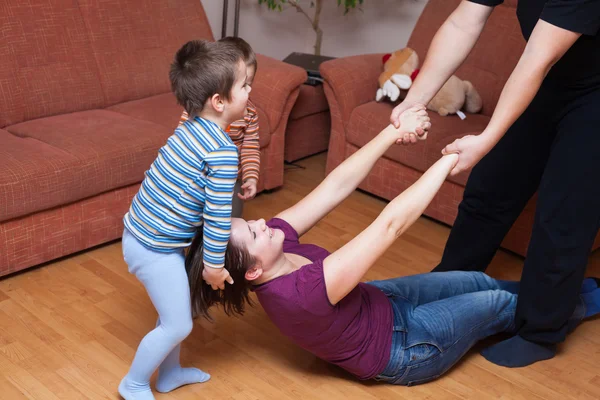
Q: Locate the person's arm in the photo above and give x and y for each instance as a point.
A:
(344, 268)
(250, 152)
(450, 46)
(250, 155)
(222, 174)
(547, 44)
(344, 179)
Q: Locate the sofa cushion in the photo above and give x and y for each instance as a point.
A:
(46, 64)
(111, 150)
(311, 100)
(369, 119)
(134, 42)
(164, 110)
(33, 175)
(161, 109)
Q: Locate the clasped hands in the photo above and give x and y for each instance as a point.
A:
(470, 148)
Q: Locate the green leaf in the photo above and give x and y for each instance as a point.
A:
(349, 4)
(273, 4)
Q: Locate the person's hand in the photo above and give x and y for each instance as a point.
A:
(216, 277)
(408, 138)
(248, 189)
(470, 150)
(415, 119)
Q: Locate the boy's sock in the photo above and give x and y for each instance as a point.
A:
(178, 377)
(171, 375)
(130, 390)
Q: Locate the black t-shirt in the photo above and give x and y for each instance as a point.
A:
(579, 68)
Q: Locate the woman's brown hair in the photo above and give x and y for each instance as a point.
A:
(234, 297)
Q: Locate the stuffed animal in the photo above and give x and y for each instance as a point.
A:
(401, 68)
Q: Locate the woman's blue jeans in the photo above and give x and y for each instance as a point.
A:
(439, 316)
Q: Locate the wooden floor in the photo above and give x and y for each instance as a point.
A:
(69, 330)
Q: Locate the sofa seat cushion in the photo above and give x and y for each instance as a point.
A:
(163, 110)
(367, 120)
(109, 150)
(33, 175)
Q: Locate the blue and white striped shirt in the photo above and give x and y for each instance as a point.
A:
(190, 184)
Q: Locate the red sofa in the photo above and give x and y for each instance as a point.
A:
(85, 104)
(309, 124)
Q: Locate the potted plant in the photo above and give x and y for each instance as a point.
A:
(301, 7)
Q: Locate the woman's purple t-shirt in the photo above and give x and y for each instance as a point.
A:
(355, 334)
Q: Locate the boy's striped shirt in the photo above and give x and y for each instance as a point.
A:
(189, 185)
(244, 134)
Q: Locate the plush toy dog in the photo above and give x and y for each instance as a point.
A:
(401, 68)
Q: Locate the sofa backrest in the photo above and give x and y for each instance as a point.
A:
(59, 56)
(495, 55)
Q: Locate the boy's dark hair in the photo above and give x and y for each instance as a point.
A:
(235, 297)
(249, 55)
(202, 69)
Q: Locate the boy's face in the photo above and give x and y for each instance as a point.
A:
(250, 71)
(236, 106)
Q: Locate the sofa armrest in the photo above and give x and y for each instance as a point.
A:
(273, 85)
(353, 80)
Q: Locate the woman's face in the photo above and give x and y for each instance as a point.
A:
(263, 243)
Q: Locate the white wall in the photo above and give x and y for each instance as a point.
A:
(381, 26)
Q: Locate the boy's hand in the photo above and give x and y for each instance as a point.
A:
(248, 189)
(216, 277)
(414, 123)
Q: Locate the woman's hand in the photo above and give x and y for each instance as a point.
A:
(407, 138)
(412, 121)
(470, 150)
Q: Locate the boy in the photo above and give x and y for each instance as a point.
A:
(244, 134)
(188, 186)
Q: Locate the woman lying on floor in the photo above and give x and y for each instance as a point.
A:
(407, 330)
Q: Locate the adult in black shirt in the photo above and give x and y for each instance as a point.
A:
(544, 135)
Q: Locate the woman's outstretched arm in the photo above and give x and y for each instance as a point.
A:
(343, 180)
(344, 268)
